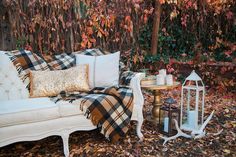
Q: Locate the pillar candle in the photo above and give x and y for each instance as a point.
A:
(166, 124)
(162, 72)
(169, 79)
(160, 80)
(192, 118)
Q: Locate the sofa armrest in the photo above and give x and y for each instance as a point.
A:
(126, 77)
(133, 80)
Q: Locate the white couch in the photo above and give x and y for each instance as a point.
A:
(29, 119)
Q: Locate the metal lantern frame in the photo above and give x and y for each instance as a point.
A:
(192, 83)
(170, 110)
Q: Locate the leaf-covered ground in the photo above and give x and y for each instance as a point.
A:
(92, 143)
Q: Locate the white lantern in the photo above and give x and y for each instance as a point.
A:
(192, 103)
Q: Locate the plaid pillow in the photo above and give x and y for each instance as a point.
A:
(60, 62)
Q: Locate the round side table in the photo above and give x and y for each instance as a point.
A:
(156, 90)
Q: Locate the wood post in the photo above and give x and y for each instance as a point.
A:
(155, 28)
(7, 40)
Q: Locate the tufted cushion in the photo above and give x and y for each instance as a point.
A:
(11, 86)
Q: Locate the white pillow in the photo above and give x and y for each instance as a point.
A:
(11, 86)
(103, 70)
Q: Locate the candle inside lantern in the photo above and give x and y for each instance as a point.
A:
(166, 124)
(160, 79)
(192, 118)
(169, 79)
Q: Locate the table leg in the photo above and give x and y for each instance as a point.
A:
(156, 105)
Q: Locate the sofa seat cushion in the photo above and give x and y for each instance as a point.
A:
(69, 109)
(15, 112)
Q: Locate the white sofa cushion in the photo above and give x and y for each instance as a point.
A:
(15, 112)
(103, 70)
(69, 109)
(11, 86)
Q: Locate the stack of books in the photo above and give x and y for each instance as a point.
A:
(148, 80)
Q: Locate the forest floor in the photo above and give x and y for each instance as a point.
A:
(92, 143)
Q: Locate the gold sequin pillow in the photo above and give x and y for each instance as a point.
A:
(51, 83)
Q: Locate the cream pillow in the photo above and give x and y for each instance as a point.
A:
(51, 83)
(103, 70)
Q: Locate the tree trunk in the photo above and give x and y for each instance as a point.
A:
(155, 28)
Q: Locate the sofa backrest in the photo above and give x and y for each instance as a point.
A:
(11, 86)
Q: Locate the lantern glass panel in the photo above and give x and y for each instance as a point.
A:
(166, 123)
(192, 108)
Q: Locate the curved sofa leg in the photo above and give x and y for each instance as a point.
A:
(65, 139)
(139, 126)
(138, 102)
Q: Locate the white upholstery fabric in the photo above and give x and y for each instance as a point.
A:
(69, 109)
(15, 112)
(103, 70)
(84, 59)
(11, 86)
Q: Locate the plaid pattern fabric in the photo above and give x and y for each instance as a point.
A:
(122, 67)
(26, 61)
(61, 61)
(108, 108)
(90, 52)
(21, 73)
(126, 77)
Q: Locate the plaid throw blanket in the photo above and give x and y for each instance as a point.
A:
(60, 62)
(126, 77)
(25, 61)
(108, 108)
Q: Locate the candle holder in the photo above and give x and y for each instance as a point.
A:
(168, 113)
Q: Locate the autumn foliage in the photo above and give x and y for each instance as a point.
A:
(53, 26)
(190, 31)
